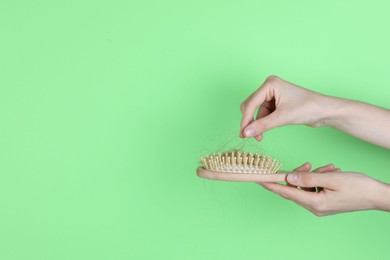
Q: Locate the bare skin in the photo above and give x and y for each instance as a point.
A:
(279, 103)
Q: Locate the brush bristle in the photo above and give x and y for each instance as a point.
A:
(240, 162)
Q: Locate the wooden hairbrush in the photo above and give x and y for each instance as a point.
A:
(240, 166)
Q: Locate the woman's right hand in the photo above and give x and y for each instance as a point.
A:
(281, 103)
(327, 190)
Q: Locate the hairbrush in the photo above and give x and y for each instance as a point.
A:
(240, 166)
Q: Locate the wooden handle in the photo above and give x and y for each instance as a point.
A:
(241, 177)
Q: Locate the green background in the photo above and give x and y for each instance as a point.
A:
(106, 107)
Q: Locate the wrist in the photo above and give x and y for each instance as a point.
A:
(336, 112)
(383, 197)
(326, 110)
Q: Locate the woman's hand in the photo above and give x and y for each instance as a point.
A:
(327, 190)
(280, 103)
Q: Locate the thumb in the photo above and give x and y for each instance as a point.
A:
(310, 179)
(262, 125)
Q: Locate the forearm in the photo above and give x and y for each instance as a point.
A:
(364, 121)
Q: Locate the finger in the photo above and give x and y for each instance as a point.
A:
(250, 105)
(322, 169)
(309, 179)
(264, 124)
(303, 168)
(263, 111)
(299, 196)
(306, 167)
(325, 168)
(259, 137)
(255, 100)
(243, 124)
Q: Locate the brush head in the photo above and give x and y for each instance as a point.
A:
(240, 166)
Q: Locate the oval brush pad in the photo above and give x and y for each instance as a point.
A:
(240, 166)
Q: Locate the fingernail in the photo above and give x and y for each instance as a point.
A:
(249, 132)
(291, 178)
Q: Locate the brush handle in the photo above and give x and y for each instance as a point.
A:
(241, 177)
